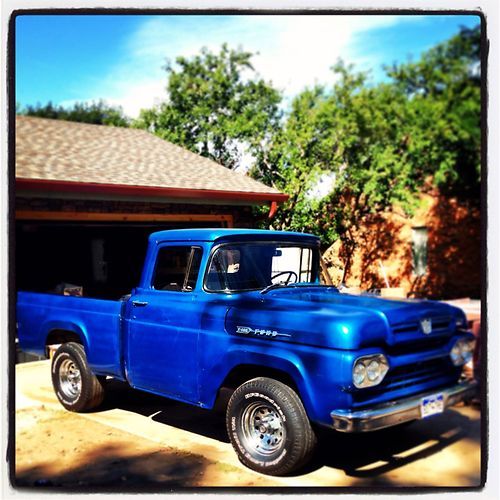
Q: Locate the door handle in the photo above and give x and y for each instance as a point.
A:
(139, 303)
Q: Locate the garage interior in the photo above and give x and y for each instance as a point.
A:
(103, 258)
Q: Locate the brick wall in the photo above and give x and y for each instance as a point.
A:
(454, 251)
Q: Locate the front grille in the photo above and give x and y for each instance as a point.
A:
(417, 346)
(411, 331)
(406, 328)
(408, 378)
(439, 324)
(423, 371)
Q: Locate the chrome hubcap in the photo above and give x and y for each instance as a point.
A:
(263, 430)
(70, 380)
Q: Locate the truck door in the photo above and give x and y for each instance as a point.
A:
(163, 324)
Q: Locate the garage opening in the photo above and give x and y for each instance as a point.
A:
(103, 259)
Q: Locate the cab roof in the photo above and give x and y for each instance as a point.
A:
(214, 234)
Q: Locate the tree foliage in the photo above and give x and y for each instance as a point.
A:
(382, 144)
(359, 135)
(447, 80)
(216, 106)
(98, 113)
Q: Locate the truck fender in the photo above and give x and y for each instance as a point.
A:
(69, 326)
(278, 359)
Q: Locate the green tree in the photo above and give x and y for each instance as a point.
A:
(447, 81)
(382, 144)
(97, 112)
(216, 106)
(356, 135)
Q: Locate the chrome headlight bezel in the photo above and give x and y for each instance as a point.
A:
(376, 364)
(462, 351)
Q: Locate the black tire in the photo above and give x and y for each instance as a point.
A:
(76, 387)
(268, 427)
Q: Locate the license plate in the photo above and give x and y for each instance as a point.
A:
(431, 405)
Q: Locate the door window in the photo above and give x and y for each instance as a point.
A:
(177, 268)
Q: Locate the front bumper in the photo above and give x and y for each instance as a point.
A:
(397, 412)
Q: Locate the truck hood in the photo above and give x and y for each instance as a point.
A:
(321, 316)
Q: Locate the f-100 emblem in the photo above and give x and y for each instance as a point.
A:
(426, 325)
(261, 332)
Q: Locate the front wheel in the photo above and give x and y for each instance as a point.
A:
(268, 427)
(76, 387)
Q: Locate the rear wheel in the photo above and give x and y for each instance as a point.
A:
(76, 387)
(268, 427)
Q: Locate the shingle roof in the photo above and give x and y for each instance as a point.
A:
(59, 150)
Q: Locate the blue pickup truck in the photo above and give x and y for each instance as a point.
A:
(245, 310)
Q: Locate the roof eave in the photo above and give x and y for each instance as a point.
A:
(49, 185)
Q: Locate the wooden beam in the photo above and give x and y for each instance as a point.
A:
(121, 217)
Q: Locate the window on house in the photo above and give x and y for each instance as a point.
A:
(419, 250)
(177, 268)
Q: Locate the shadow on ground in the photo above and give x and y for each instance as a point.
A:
(368, 455)
(210, 424)
(372, 455)
(111, 467)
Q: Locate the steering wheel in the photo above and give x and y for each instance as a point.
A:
(291, 274)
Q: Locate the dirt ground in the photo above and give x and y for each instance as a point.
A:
(140, 442)
(91, 454)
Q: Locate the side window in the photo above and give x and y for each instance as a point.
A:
(177, 268)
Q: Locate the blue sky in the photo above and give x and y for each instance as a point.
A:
(119, 58)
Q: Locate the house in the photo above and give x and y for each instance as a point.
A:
(434, 254)
(87, 196)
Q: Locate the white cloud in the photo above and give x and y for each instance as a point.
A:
(293, 51)
(307, 47)
(142, 93)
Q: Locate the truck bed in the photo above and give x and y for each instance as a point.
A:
(96, 321)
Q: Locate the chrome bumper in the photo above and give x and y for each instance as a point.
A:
(397, 412)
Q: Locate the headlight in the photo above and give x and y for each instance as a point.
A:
(462, 351)
(359, 374)
(373, 370)
(368, 371)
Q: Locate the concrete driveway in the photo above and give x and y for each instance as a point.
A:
(140, 442)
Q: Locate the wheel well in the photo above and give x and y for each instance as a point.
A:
(242, 373)
(61, 337)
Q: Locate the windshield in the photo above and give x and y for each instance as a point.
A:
(254, 266)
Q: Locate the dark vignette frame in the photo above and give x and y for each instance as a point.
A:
(11, 298)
